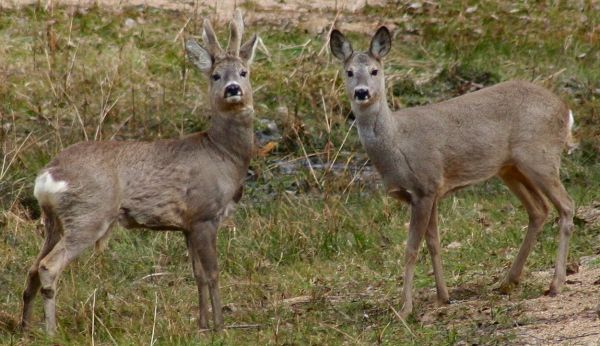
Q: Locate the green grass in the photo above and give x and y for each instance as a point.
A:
(337, 242)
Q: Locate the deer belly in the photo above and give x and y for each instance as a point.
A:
(159, 218)
(401, 194)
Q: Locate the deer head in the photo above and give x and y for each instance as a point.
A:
(365, 83)
(227, 70)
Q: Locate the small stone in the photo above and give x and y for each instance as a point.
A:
(129, 23)
(454, 245)
(471, 9)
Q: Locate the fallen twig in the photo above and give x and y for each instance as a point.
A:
(293, 301)
(152, 340)
(403, 321)
(153, 275)
(244, 326)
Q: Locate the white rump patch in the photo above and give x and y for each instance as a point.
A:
(571, 120)
(572, 144)
(46, 188)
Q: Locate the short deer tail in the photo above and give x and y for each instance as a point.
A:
(572, 144)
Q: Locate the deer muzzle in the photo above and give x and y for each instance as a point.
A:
(361, 94)
(233, 93)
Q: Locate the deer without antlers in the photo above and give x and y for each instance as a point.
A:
(187, 184)
(513, 130)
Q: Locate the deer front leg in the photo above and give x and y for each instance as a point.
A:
(419, 220)
(433, 245)
(201, 282)
(204, 241)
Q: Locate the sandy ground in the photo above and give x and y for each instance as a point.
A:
(570, 318)
(315, 17)
(222, 8)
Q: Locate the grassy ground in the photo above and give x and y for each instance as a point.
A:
(307, 259)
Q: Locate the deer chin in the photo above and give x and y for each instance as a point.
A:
(233, 99)
(363, 102)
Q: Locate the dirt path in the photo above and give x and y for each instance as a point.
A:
(222, 8)
(314, 17)
(571, 318)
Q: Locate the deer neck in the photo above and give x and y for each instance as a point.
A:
(373, 121)
(376, 131)
(232, 135)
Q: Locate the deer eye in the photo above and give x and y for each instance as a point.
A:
(244, 73)
(350, 73)
(374, 72)
(216, 77)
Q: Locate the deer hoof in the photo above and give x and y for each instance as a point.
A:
(23, 326)
(404, 313)
(443, 301)
(551, 292)
(203, 325)
(507, 287)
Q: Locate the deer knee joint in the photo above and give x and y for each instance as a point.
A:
(567, 227)
(47, 293)
(213, 277)
(566, 222)
(410, 256)
(46, 276)
(201, 279)
(433, 250)
(28, 294)
(536, 221)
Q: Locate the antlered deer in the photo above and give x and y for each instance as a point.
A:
(514, 130)
(187, 184)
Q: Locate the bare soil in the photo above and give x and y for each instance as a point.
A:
(221, 7)
(570, 318)
(315, 17)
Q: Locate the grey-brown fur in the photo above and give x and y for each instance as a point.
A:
(513, 130)
(187, 184)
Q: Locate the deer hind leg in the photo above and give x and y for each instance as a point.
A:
(52, 233)
(419, 220)
(204, 241)
(537, 210)
(78, 236)
(433, 245)
(547, 179)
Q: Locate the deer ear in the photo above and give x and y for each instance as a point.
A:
(198, 56)
(340, 46)
(381, 43)
(247, 49)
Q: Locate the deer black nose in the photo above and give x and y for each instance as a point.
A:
(233, 90)
(361, 94)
